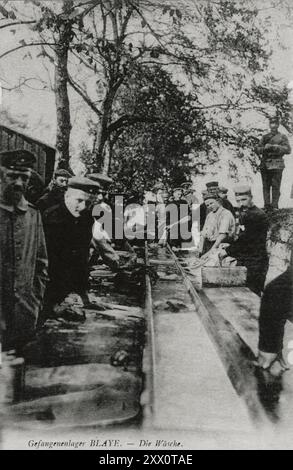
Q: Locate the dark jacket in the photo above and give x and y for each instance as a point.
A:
(51, 198)
(250, 247)
(23, 272)
(272, 157)
(68, 242)
(251, 242)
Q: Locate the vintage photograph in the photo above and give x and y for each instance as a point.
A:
(146, 226)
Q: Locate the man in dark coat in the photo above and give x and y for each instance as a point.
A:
(23, 255)
(250, 247)
(55, 193)
(68, 230)
(272, 148)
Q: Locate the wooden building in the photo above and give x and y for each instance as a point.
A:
(11, 139)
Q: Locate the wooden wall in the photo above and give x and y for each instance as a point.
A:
(10, 140)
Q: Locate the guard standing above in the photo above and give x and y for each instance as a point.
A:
(272, 148)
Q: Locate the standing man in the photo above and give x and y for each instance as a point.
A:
(55, 193)
(23, 255)
(272, 148)
(68, 229)
(250, 248)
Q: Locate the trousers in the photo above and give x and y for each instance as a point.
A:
(271, 181)
(276, 308)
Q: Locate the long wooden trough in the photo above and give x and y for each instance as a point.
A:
(188, 343)
(205, 339)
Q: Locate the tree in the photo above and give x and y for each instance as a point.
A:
(218, 50)
(54, 28)
(165, 129)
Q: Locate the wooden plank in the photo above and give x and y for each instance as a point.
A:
(193, 390)
(239, 306)
(218, 276)
(100, 407)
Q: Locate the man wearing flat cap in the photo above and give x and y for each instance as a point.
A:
(219, 226)
(250, 248)
(23, 254)
(272, 148)
(212, 186)
(54, 194)
(68, 229)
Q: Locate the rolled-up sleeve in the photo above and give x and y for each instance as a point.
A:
(227, 224)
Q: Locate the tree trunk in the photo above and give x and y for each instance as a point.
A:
(102, 142)
(61, 91)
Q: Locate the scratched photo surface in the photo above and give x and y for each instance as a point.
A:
(146, 225)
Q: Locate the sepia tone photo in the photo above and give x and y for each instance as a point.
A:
(146, 226)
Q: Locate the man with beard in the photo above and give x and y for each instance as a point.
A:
(23, 255)
(68, 228)
(250, 247)
(55, 193)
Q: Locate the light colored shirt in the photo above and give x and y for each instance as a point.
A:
(218, 223)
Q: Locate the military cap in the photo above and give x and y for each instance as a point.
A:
(210, 195)
(84, 184)
(100, 178)
(18, 160)
(212, 184)
(222, 189)
(176, 189)
(63, 173)
(241, 190)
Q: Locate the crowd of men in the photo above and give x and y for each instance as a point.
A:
(47, 235)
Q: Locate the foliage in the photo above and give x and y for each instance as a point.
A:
(165, 82)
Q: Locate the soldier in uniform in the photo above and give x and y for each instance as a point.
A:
(250, 247)
(23, 255)
(68, 229)
(55, 193)
(271, 148)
